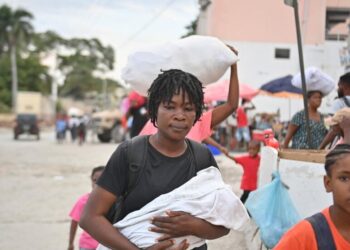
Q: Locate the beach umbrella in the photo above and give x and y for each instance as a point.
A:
(282, 94)
(218, 91)
(282, 84)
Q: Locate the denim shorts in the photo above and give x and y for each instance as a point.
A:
(243, 133)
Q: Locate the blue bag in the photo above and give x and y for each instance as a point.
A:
(273, 211)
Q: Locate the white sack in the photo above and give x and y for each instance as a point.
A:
(315, 79)
(205, 196)
(205, 57)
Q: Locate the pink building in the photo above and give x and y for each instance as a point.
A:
(265, 34)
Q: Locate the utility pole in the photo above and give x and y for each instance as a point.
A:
(294, 4)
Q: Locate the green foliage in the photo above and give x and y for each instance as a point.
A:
(5, 81)
(32, 76)
(84, 58)
(78, 59)
(15, 28)
(191, 28)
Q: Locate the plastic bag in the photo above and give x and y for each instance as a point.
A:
(315, 80)
(205, 57)
(272, 210)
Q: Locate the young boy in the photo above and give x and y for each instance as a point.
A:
(337, 216)
(250, 163)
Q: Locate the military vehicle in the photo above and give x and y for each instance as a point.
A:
(107, 125)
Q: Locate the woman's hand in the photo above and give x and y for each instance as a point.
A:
(232, 49)
(169, 245)
(175, 224)
(178, 223)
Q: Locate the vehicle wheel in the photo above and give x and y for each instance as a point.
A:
(104, 138)
(118, 134)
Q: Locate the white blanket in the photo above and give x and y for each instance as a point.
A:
(205, 196)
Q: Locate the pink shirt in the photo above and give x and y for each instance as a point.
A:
(200, 131)
(85, 240)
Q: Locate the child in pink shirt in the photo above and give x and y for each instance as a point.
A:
(86, 242)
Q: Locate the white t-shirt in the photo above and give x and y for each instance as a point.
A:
(339, 104)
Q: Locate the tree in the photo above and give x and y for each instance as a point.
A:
(15, 30)
(32, 75)
(191, 28)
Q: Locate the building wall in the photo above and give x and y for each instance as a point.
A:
(301, 177)
(338, 3)
(264, 21)
(258, 65)
(256, 30)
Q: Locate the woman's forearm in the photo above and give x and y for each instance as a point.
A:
(206, 230)
(221, 112)
(101, 230)
(290, 133)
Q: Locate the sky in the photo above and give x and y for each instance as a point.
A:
(124, 24)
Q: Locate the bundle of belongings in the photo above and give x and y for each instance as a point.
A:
(205, 57)
(340, 115)
(315, 80)
(204, 196)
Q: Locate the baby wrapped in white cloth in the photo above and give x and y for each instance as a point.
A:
(205, 196)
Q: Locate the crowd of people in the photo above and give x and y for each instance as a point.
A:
(178, 125)
(75, 125)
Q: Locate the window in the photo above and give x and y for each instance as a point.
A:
(336, 27)
(282, 53)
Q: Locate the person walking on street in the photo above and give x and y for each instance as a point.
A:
(175, 104)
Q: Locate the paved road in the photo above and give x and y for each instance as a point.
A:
(40, 181)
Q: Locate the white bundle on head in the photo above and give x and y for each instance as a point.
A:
(315, 80)
(205, 57)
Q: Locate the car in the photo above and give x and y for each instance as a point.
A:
(26, 124)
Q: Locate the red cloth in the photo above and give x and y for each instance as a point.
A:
(242, 119)
(138, 100)
(250, 171)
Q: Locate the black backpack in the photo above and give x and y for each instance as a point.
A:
(346, 101)
(323, 234)
(136, 155)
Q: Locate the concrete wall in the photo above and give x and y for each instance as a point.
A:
(305, 181)
(264, 21)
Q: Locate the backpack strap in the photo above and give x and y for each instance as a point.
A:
(136, 151)
(346, 101)
(323, 234)
(199, 153)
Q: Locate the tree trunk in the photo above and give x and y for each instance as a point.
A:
(14, 77)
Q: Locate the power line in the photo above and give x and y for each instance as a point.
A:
(147, 24)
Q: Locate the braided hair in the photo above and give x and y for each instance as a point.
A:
(345, 79)
(339, 152)
(97, 169)
(170, 83)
